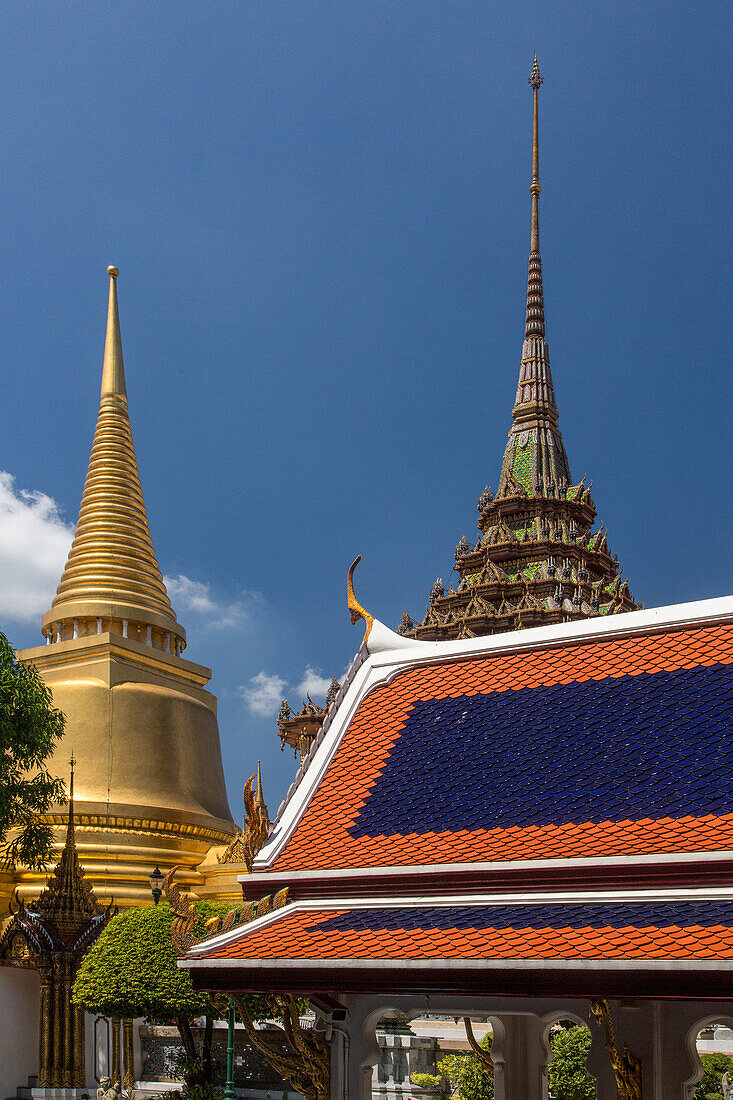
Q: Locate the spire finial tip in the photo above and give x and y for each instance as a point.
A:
(113, 271)
(535, 78)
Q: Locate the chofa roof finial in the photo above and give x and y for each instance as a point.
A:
(357, 611)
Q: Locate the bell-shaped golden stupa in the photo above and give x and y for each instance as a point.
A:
(149, 780)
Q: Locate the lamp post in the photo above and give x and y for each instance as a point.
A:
(156, 884)
(229, 1093)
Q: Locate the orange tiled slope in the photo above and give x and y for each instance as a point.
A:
(297, 936)
(321, 839)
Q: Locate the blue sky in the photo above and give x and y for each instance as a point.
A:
(320, 213)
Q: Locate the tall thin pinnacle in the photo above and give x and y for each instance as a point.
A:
(535, 321)
(72, 765)
(113, 370)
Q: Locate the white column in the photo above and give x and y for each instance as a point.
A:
(99, 626)
(149, 637)
(124, 628)
(58, 632)
(520, 1056)
(76, 627)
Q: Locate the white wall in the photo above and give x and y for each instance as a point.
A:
(19, 993)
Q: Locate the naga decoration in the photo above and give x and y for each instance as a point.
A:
(184, 915)
(357, 611)
(483, 1055)
(304, 1059)
(255, 826)
(627, 1069)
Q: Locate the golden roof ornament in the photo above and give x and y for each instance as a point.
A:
(255, 826)
(357, 611)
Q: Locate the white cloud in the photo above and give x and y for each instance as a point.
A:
(195, 597)
(263, 694)
(34, 545)
(313, 683)
(189, 595)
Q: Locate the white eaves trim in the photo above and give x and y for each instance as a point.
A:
(262, 878)
(673, 964)
(389, 653)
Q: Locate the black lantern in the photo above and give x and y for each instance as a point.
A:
(156, 884)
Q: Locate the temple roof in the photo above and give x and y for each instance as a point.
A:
(483, 930)
(549, 744)
(112, 570)
(553, 805)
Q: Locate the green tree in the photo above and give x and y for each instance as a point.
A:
(30, 726)
(467, 1077)
(131, 971)
(569, 1079)
(710, 1086)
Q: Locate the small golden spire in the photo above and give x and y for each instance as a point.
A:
(259, 798)
(113, 370)
(357, 611)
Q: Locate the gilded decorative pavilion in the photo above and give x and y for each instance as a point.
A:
(52, 935)
(300, 730)
(538, 559)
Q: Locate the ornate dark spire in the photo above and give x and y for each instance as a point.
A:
(538, 560)
(535, 323)
(68, 900)
(535, 462)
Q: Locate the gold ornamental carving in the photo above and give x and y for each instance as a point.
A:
(255, 826)
(626, 1067)
(357, 611)
(184, 915)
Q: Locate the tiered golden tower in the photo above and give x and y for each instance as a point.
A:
(149, 782)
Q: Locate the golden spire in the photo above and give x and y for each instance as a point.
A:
(112, 581)
(259, 797)
(113, 369)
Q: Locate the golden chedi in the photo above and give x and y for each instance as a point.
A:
(149, 782)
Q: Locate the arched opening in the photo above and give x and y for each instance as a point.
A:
(569, 1070)
(712, 1042)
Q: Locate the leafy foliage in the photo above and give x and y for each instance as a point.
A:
(468, 1079)
(710, 1085)
(426, 1080)
(30, 726)
(131, 969)
(569, 1079)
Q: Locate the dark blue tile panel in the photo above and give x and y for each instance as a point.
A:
(600, 915)
(653, 745)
